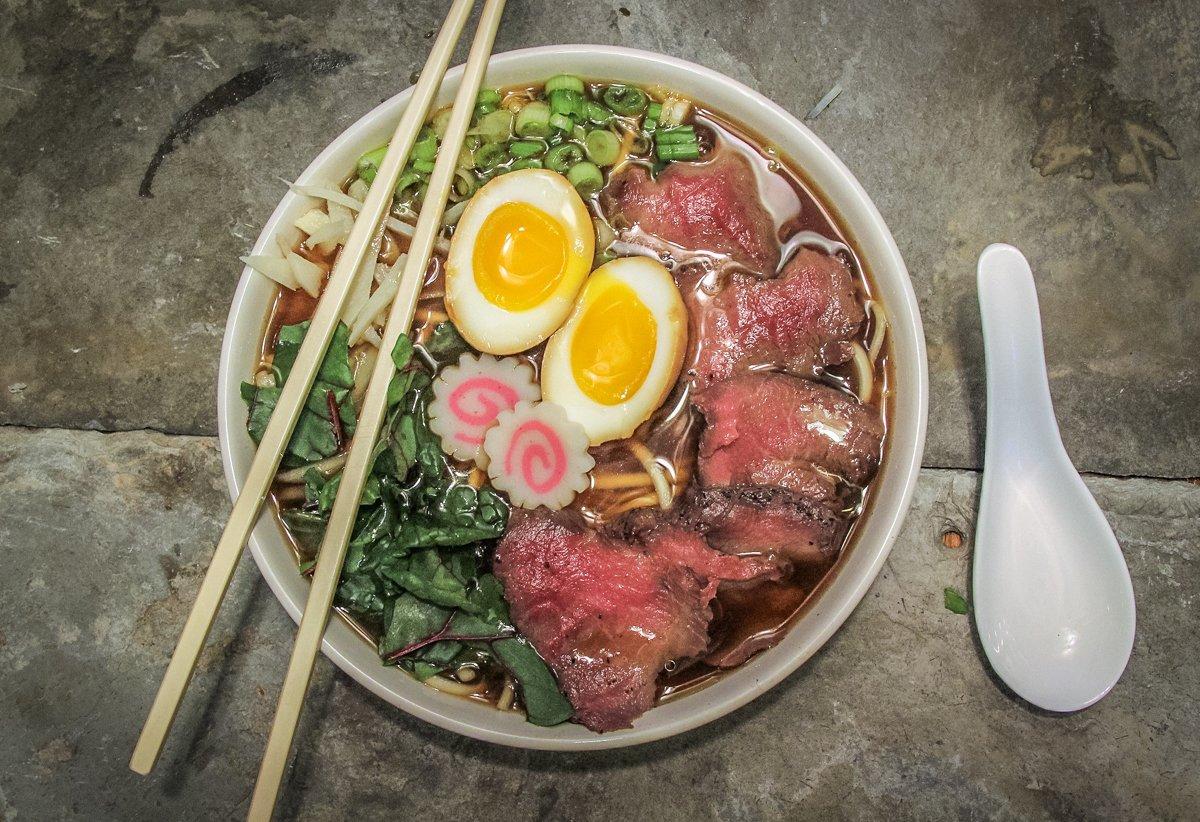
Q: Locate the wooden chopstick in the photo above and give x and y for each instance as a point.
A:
(291, 399)
(374, 408)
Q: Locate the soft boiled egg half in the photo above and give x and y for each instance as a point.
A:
(518, 256)
(618, 355)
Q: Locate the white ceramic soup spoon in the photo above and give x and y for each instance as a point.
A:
(1052, 596)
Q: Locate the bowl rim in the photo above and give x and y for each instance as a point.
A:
(905, 465)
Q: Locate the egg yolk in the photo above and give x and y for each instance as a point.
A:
(520, 255)
(613, 346)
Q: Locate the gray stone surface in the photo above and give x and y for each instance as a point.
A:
(105, 536)
(112, 305)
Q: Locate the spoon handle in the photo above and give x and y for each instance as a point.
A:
(1019, 410)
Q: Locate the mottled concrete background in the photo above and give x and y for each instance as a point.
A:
(1069, 130)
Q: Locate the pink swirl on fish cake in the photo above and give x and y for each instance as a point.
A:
(469, 395)
(538, 456)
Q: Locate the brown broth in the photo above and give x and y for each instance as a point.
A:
(752, 617)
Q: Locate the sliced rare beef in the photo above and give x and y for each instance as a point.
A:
(802, 320)
(758, 519)
(712, 206)
(769, 428)
(608, 615)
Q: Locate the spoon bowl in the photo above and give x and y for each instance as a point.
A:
(1052, 596)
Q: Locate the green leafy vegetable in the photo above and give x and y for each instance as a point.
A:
(544, 703)
(415, 568)
(954, 601)
(315, 436)
(446, 345)
(410, 620)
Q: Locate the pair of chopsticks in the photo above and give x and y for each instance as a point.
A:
(278, 432)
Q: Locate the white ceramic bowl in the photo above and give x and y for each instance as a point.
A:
(893, 487)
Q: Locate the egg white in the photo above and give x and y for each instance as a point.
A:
(656, 289)
(492, 328)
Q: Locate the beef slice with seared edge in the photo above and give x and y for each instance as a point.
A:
(608, 615)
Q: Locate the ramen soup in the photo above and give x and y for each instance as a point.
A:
(634, 421)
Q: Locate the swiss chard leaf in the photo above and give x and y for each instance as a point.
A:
(314, 436)
(412, 566)
(442, 578)
(544, 703)
(445, 344)
(409, 620)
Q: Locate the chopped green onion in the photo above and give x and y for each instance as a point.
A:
(562, 122)
(426, 146)
(526, 148)
(579, 133)
(533, 120)
(488, 97)
(566, 102)
(472, 142)
(368, 164)
(407, 180)
(586, 178)
(678, 151)
(423, 166)
(464, 183)
(625, 100)
(528, 162)
(680, 134)
(603, 147)
(483, 111)
(598, 114)
(649, 125)
(654, 111)
(495, 127)
(567, 82)
(490, 155)
(562, 157)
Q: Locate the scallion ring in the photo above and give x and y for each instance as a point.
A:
(566, 102)
(533, 120)
(598, 114)
(602, 147)
(586, 178)
(564, 82)
(368, 164)
(562, 122)
(488, 97)
(562, 157)
(626, 101)
(491, 155)
(407, 185)
(464, 183)
(426, 146)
